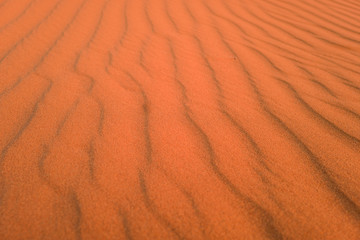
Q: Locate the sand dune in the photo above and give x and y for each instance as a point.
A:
(179, 119)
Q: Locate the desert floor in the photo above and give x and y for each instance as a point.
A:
(179, 119)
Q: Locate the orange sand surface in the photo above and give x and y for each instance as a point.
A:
(179, 119)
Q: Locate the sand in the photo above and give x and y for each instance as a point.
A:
(179, 119)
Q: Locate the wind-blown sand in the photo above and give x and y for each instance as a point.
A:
(179, 119)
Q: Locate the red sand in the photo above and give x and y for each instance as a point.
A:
(179, 119)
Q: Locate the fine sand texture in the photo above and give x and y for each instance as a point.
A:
(179, 119)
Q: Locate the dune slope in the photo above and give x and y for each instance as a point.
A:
(179, 119)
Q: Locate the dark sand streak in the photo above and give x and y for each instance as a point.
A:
(150, 206)
(20, 79)
(27, 8)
